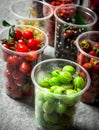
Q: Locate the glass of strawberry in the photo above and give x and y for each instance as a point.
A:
(22, 47)
(88, 56)
(51, 25)
(32, 12)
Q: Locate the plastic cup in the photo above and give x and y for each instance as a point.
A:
(51, 25)
(91, 64)
(71, 21)
(18, 65)
(55, 111)
(32, 12)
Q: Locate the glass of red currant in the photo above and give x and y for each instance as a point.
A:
(88, 57)
(71, 21)
(32, 12)
(59, 85)
(51, 24)
(22, 47)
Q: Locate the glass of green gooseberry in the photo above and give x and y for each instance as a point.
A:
(59, 85)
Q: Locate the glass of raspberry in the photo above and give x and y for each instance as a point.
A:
(71, 21)
(88, 57)
(22, 47)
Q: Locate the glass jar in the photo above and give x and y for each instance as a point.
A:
(18, 59)
(51, 24)
(71, 21)
(88, 57)
(32, 12)
(56, 111)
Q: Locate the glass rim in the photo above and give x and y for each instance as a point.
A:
(71, 24)
(25, 53)
(78, 2)
(65, 60)
(77, 43)
(33, 19)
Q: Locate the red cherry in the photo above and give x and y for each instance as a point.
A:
(25, 67)
(7, 74)
(27, 34)
(33, 43)
(13, 60)
(20, 82)
(21, 48)
(16, 74)
(17, 35)
(9, 67)
(32, 56)
(21, 42)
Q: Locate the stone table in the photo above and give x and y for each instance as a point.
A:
(20, 114)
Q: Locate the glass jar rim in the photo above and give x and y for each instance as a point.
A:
(75, 5)
(32, 19)
(60, 60)
(77, 43)
(25, 53)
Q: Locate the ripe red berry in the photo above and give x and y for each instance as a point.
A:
(33, 44)
(17, 35)
(21, 48)
(25, 67)
(13, 60)
(27, 34)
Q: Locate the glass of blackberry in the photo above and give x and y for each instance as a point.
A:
(71, 21)
(51, 24)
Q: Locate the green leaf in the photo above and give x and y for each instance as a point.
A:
(79, 20)
(11, 31)
(5, 23)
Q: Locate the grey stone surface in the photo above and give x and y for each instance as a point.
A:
(20, 115)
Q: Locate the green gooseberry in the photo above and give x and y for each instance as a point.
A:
(67, 86)
(44, 82)
(60, 90)
(54, 81)
(50, 118)
(55, 73)
(78, 82)
(60, 108)
(70, 91)
(48, 96)
(48, 107)
(65, 77)
(69, 68)
(69, 100)
(52, 88)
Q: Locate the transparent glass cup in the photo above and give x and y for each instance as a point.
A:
(32, 12)
(47, 114)
(51, 25)
(71, 21)
(90, 62)
(17, 65)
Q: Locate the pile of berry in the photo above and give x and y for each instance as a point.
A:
(20, 53)
(90, 61)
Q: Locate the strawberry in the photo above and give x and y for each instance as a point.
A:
(85, 45)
